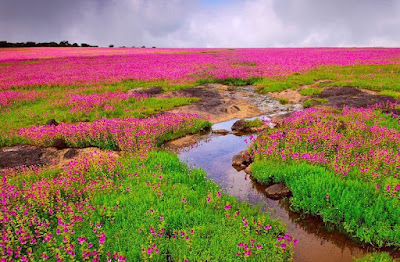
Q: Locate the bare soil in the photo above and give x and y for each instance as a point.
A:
(351, 96)
(16, 156)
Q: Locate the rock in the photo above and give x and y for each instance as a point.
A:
(151, 91)
(237, 160)
(71, 153)
(278, 191)
(247, 170)
(246, 156)
(220, 132)
(59, 143)
(21, 156)
(242, 160)
(239, 126)
(52, 122)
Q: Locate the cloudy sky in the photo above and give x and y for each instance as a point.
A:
(204, 23)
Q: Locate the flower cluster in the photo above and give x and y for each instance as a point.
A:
(8, 98)
(129, 134)
(354, 140)
(93, 102)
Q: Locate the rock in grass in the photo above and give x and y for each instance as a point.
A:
(221, 132)
(71, 153)
(52, 122)
(278, 191)
(241, 160)
(59, 143)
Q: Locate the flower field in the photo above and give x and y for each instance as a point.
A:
(83, 66)
(342, 165)
(141, 203)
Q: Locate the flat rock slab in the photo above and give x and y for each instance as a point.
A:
(278, 191)
(351, 96)
(21, 156)
(220, 132)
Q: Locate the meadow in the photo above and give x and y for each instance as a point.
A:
(144, 204)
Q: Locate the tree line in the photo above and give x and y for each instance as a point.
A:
(43, 44)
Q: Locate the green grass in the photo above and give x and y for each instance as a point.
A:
(310, 91)
(161, 193)
(376, 257)
(314, 102)
(346, 202)
(391, 93)
(257, 122)
(372, 77)
(215, 236)
(283, 101)
(230, 81)
(39, 112)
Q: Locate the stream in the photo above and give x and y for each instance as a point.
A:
(317, 242)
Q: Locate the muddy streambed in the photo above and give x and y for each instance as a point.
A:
(213, 153)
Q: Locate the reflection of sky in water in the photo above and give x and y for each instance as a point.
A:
(214, 155)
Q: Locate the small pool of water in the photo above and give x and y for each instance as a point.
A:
(316, 242)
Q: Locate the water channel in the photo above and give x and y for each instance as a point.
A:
(213, 153)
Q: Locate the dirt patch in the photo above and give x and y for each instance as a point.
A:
(219, 103)
(15, 156)
(351, 96)
(293, 96)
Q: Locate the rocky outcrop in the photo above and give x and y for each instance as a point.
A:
(239, 126)
(278, 191)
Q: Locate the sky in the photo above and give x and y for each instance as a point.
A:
(204, 23)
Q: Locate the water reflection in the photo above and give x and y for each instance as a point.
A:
(317, 242)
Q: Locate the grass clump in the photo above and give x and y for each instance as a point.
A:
(310, 91)
(353, 206)
(391, 93)
(283, 101)
(314, 102)
(376, 257)
(257, 122)
(230, 81)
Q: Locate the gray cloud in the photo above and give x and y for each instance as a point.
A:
(194, 23)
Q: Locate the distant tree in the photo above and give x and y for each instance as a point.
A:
(111, 46)
(64, 43)
(153, 47)
(30, 44)
(143, 46)
(85, 45)
(75, 45)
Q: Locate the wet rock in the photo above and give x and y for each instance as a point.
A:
(71, 153)
(278, 191)
(239, 126)
(220, 132)
(238, 160)
(59, 143)
(151, 91)
(51, 122)
(241, 160)
(21, 156)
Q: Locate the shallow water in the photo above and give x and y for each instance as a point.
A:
(316, 242)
